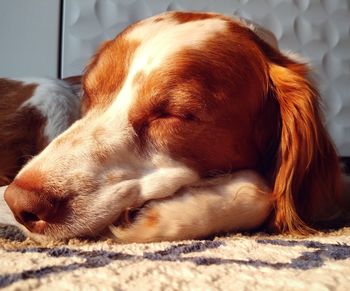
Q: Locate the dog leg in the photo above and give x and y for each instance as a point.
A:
(232, 203)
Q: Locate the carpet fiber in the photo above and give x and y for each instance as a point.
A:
(235, 262)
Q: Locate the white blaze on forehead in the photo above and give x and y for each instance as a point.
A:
(161, 40)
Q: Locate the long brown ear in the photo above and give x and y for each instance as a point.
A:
(307, 181)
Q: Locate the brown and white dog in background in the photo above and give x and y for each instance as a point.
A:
(192, 124)
(33, 111)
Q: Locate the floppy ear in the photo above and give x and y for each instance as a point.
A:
(307, 177)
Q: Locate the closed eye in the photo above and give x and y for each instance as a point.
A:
(183, 117)
(189, 117)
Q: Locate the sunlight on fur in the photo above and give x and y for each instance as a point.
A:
(235, 202)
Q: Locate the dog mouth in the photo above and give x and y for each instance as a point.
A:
(128, 216)
(131, 215)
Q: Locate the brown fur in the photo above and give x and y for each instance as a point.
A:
(181, 17)
(106, 74)
(233, 103)
(247, 106)
(307, 175)
(307, 181)
(19, 128)
(199, 109)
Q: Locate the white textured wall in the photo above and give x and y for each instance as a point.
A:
(317, 29)
(29, 37)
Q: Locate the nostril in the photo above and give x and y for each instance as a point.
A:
(26, 217)
(35, 210)
(32, 221)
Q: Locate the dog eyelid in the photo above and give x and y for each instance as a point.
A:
(188, 116)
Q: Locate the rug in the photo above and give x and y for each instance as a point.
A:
(233, 262)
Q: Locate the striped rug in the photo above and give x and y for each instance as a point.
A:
(234, 262)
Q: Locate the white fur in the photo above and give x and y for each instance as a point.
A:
(160, 41)
(56, 101)
(127, 178)
(147, 177)
(236, 202)
(141, 178)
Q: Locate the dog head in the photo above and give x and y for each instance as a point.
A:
(172, 99)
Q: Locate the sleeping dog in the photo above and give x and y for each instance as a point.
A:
(191, 124)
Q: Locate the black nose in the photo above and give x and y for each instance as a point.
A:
(33, 210)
